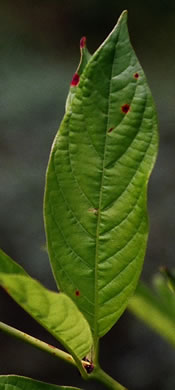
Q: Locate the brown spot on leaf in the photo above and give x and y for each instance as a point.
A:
(125, 108)
(94, 211)
(136, 75)
(75, 80)
(111, 129)
(77, 293)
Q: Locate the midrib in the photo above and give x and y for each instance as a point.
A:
(99, 217)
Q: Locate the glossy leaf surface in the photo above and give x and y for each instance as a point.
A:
(14, 382)
(96, 191)
(55, 311)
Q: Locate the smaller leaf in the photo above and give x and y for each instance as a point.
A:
(165, 294)
(154, 311)
(9, 266)
(170, 277)
(14, 382)
(54, 311)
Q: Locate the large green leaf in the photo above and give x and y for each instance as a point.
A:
(96, 189)
(14, 382)
(55, 311)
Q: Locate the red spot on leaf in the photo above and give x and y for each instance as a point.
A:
(125, 108)
(136, 75)
(51, 346)
(82, 42)
(112, 128)
(77, 293)
(75, 80)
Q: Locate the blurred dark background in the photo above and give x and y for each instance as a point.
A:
(39, 51)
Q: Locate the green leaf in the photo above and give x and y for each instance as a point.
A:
(156, 309)
(55, 311)
(9, 266)
(96, 190)
(170, 278)
(14, 382)
(165, 294)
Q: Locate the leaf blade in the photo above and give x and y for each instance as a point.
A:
(95, 209)
(14, 382)
(9, 266)
(150, 308)
(55, 311)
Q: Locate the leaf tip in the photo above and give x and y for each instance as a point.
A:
(82, 42)
(123, 16)
(122, 20)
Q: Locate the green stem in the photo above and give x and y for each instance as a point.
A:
(37, 343)
(98, 374)
(46, 347)
(101, 376)
(96, 353)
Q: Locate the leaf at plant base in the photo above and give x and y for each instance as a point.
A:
(84, 58)
(96, 190)
(154, 311)
(55, 311)
(14, 382)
